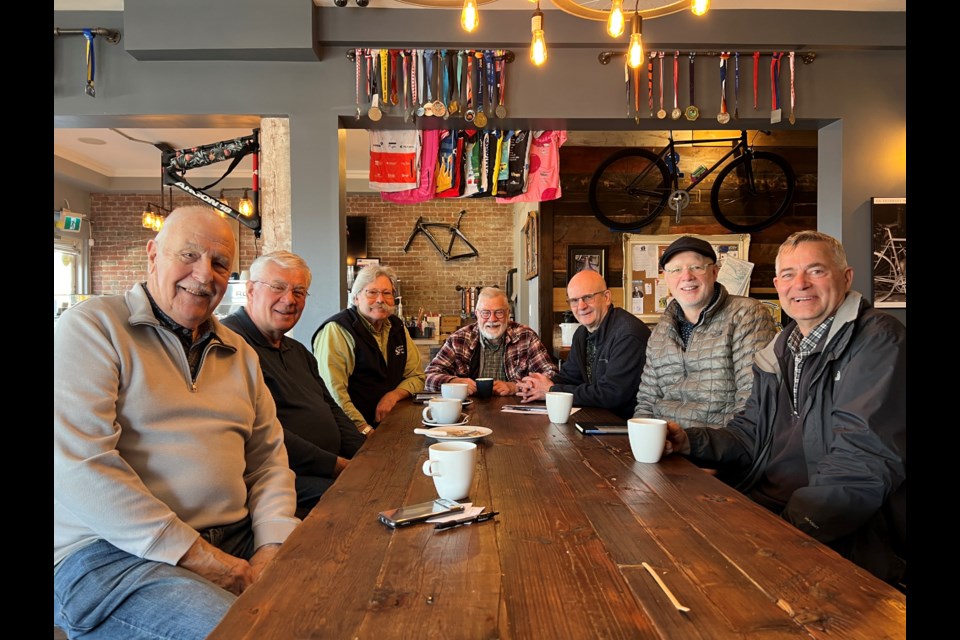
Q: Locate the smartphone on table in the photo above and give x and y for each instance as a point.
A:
(599, 428)
(403, 516)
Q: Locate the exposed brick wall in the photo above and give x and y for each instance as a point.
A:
(427, 280)
(118, 258)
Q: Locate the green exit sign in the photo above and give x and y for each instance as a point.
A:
(71, 223)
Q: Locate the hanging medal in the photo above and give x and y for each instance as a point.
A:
(662, 113)
(454, 105)
(489, 70)
(692, 112)
(736, 85)
(676, 113)
(439, 108)
(501, 69)
(374, 112)
(394, 96)
(756, 80)
(793, 92)
(418, 85)
(91, 56)
(626, 82)
(406, 84)
(469, 114)
(636, 95)
(723, 117)
(775, 112)
(481, 118)
(358, 58)
(384, 71)
(427, 79)
(653, 55)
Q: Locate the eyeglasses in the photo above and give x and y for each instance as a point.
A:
(695, 269)
(587, 299)
(373, 294)
(499, 314)
(300, 293)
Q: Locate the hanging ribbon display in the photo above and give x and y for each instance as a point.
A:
(88, 36)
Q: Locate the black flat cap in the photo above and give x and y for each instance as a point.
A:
(688, 243)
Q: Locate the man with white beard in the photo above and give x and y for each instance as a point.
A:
(493, 347)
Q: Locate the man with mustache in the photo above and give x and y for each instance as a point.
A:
(319, 437)
(494, 347)
(367, 358)
(606, 356)
(171, 489)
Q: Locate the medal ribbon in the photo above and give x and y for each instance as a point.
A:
(394, 97)
(626, 82)
(89, 35)
(416, 78)
(793, 91)
(384, 68)
(374, 74)
(491, 76)
(692, 101)
(428, 71)
(676, 79)
(444, 74)
(736, 85)
(406, 82)
(480, 81)
(358, 57)
(459, 72)
(660, 56)
(502, 75)
(724, 57)
(756, 79)
(653, 54)
(469, 80)
(775, 81)
(636, 92)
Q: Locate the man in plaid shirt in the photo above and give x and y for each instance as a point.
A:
(494, 347)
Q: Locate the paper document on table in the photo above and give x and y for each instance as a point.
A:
(469, 512)
(735, 275)
(540, 409)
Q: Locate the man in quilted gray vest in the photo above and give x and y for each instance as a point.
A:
(699, 357)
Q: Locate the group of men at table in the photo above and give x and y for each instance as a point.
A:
(186, 449)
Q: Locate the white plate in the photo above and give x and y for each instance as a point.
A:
(464, 419)
(476, 433)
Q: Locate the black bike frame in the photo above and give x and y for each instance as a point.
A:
(453, 229)
(674, 167)
(175, 163)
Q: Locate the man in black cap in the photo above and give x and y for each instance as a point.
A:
(699, 357)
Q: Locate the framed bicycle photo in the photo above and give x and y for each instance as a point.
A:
(531, 245)
(586, 258)
(889, 224)
(646, 294)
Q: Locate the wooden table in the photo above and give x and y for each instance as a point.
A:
(563, 559)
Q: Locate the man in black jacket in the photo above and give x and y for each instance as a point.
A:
(607, 354)
(822, 439)
(319, 437)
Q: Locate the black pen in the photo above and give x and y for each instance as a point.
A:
(483, 517)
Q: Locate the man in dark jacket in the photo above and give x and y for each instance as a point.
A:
(319, 437)
(607, 354)
(822, 440)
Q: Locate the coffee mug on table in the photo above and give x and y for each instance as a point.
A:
(484, 387)
(451, 465)
(457, 390)
(442, 411)
(559, 404)
(648, 437)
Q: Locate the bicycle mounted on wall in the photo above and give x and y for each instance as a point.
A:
(174, 163)
(453, 229)
(632, 186)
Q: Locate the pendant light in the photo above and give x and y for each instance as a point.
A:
(469, 16)
(699, 7)
(635, 50)
(615, 20)
(538, 46)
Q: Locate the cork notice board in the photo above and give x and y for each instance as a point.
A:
(645, 290)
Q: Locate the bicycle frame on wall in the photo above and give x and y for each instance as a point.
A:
(889, 258)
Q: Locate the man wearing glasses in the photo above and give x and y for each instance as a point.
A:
(494, 347)
(320, 438)
(698, 371)
(366, 357)
(606, 355)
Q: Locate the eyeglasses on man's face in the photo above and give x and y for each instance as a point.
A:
(695, 269)
(587, 298)
(281, 289)
(499, 314)
(373, 294)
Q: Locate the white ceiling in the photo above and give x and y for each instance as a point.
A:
(109, 154)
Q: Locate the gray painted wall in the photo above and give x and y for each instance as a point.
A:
(854, 93)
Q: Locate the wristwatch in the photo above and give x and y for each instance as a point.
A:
(366, 430)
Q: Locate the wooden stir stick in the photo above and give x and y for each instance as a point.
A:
(666, 590)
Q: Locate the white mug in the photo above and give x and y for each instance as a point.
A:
(451, 465)
(559, 404)
(648, 437)
(456, 390)
(442, 411)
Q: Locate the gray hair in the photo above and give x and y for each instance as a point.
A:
(284, 260)
(366, 277)
(489, 293)
(795, 239)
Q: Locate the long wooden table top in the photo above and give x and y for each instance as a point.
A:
(563, 559)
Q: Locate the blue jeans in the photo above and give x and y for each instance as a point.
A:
(100, 591)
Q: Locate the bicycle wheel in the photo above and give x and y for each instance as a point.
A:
(629, 189)
(753, 191)
(884, 277)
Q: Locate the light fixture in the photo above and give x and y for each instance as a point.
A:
(615, 21)
(635, 50)
(245, 206)
(538, 46)
(699, 7)
(469, 18)
(151, 218)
